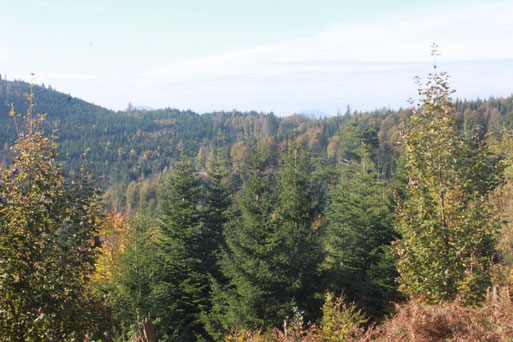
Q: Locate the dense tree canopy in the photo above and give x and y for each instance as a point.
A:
(240, 221)
(446, 222)
(249, 263)
(49, 225)
(182, 281)
(360, 233)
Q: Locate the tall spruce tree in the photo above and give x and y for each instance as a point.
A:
(217, 212)
(182, 282)
(446, 223)
(354, 141)
(298, 236)
(360, 233)
(249, 298)
(218, 200)
(273, 255)
(133, 288)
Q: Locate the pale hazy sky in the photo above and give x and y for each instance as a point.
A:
(267, 55)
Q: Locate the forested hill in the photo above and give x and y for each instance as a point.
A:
(126, 145)
(132, 145)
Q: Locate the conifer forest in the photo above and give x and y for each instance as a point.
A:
(383, 225)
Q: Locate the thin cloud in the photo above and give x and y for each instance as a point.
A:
(28, 2)
(93, 6)
(367, 63)
(390, 43)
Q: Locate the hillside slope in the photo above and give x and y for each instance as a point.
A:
(126, 146)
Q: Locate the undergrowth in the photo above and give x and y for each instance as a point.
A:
(414, 321)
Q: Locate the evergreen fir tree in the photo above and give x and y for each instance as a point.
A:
(134, 286)
(359, 236)
(249, 299)
(218, 200)
(354, 141)
(182, 285)
(273, 246)
(298, 231)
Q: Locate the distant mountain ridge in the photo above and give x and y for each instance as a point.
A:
(125, 146)
(146, 108)
(47, 100)
(315, 113)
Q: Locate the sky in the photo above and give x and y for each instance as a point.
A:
(281, 56)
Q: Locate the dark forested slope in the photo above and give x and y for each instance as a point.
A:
(132, 145)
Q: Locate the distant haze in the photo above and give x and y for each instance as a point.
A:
(273, 56)
(143, 108)
(315, 113)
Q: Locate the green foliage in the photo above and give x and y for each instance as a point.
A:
(339, 321)
(502, 198)
(182, 283)
(216, 214)
(48, 239)
(250, 296)
(132, 289)
(354, 141)
(273, 246)
(360, 232)
(137, 145)
(446, 222)
(299, 228)
(222, 257)
(218, 200)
